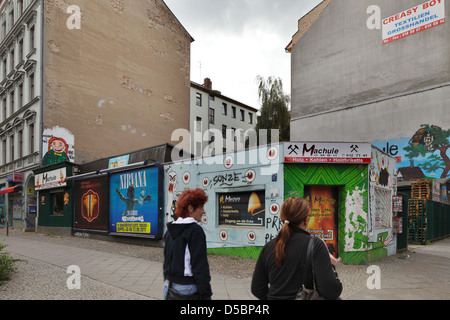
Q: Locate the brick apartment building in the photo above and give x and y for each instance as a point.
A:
(82, 81)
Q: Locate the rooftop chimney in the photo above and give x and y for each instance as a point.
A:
(207, 83)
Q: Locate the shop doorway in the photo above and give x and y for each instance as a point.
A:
(324, 220)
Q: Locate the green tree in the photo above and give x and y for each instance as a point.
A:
(274, 108)
(427, 141)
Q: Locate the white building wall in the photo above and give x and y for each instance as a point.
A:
(20, 90)
(215, 101)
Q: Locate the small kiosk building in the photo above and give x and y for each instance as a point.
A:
(350, 187)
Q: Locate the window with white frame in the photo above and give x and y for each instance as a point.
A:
(383, 208)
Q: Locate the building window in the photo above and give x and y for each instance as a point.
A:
(198, 124)
(12, 60)
(198, 99)
(32, 34)
(11, 147)
(20, 7)
(211, 116)
(21, 50)
(4, 109)
(250, 118)
(224, 109)
(5, 68)
(20, 103)
(20, 136)
(242, 115)
(31, 138)
(233, 112)
(11, 18)
(383, 208)
(224, 131)
(4, 151)
(12, 102)
(58, 203)
(4, 29)
(32, 87)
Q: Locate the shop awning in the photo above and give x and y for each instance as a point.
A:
(9, 190)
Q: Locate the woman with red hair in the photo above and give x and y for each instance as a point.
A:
(186, 267)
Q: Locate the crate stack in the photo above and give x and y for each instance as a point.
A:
(421, 191)
(417, 220)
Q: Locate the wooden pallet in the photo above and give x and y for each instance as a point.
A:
(417, 220)
(422, 189)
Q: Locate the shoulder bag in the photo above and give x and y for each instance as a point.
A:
(305, 293)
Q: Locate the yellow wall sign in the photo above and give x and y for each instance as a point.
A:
(133, 227)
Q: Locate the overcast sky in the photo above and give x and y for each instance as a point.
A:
(237, 40)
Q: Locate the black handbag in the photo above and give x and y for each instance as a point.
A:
(305, 293)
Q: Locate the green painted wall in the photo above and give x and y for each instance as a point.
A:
(352, 181)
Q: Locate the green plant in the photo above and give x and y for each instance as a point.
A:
(7, 267)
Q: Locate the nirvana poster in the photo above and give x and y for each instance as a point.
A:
(134, 202)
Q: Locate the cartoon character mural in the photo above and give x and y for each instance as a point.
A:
(57, 151)
(58, 144)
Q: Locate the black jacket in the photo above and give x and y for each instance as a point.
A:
(176, 239)
(285, 282)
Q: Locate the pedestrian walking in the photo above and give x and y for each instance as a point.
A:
(280, 269)
(186, 267)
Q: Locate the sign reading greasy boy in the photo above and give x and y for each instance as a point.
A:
(134, 202)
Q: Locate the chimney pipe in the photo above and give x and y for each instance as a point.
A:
(207, 83)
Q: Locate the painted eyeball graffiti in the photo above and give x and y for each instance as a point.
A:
(205, 182)
(204, 219)
(223, 235)
(186, 177)
(250, 175)
(251, 236)
(228, 162)
(272, 153)
(274, 208)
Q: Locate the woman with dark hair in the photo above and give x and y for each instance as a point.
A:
(282, 260)
(186, 267)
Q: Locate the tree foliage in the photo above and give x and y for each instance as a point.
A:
(274, 108)
(426, 142)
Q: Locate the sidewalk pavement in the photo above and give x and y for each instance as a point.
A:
(426, 277)
(422, 273)
(122, 274)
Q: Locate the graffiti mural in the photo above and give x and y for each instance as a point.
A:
(382, 187)
(427, 151)
(242, 212)
(58, 145)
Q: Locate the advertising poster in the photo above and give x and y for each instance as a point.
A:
(91, 204)
(414, 20)
(245, 209)
(324, 213)
(134, 202)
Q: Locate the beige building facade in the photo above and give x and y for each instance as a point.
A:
(82, 81)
